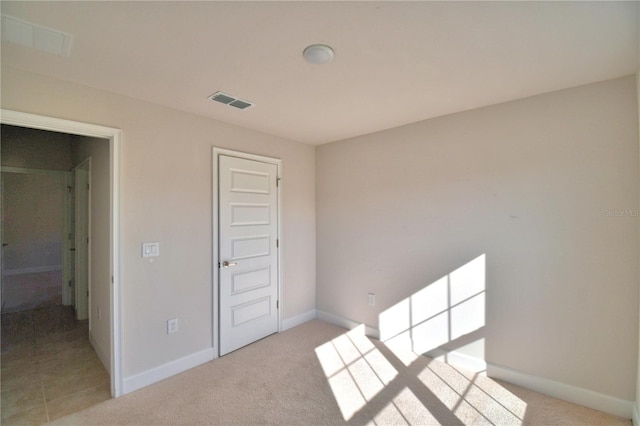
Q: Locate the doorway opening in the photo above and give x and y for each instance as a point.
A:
(106, 263)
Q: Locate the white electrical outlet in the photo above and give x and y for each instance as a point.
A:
(372, 299)
(172, 326)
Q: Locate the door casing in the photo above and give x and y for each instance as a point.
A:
(217, 152)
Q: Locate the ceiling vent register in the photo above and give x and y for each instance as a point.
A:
(34, 36)
(226, 99)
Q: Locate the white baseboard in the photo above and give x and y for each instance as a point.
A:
(636, 414)
(167, 370)
(346, 323)
(104, 358)
(585, 397)
(294, 321)
(458, 359)
(34, 270)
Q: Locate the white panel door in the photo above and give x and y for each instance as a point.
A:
(248, 253)
(82, 240)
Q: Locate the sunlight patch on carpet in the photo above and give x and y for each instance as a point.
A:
(358, 372)
(405, 408)
(355, 369)
(445, 319)
(472, 397)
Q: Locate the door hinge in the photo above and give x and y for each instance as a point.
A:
(87, 187)
(218, 265)
(278, 181)
(69, 283)
(277, 304)
(277, 243)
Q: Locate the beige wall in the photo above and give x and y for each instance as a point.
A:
(98, 150)
(32, 211)
(546, 188)
(35, 235)
(166, 197)
(33, 217)
(36, 149)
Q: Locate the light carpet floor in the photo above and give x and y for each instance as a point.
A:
(320, 374)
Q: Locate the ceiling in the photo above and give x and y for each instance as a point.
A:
(395, 63)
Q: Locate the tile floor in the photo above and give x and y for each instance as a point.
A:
(48, 367)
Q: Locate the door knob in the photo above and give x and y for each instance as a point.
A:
(227, 264)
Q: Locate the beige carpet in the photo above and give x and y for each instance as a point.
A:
(320, 374)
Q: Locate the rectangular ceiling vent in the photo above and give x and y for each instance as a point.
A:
(34, 36)
(226, 99)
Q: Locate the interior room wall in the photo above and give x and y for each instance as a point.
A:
(32, 217)
(520, 216)
(36, 225)
(98, 150)
(35, 149)
(166, 196)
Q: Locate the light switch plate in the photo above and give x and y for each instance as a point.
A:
(151, 249)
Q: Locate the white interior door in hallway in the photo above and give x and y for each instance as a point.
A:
(82, 232)
(248, 251)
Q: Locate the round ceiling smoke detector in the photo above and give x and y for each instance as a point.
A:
(318, 53)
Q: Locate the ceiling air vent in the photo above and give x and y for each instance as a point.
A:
(226, 99)
(34, 36)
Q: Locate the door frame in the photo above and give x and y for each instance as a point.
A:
(34, 121)
(217, 152)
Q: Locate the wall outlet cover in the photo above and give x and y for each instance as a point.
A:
(172, 326)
